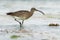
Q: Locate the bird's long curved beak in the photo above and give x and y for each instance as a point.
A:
(41, 12)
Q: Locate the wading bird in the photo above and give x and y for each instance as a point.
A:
(23, 15)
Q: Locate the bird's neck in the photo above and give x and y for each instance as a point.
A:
(32, 11)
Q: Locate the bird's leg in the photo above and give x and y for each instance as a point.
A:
(22, 23)
(19, 23)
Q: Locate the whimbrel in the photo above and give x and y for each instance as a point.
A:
(23, 15)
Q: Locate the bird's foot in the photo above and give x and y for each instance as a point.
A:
(21, 27)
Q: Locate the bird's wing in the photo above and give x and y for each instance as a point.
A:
(22, 11)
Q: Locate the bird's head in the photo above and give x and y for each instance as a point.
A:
(34, 9)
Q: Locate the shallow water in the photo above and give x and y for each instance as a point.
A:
(38, 29)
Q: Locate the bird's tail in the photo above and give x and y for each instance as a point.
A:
(9, 13)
